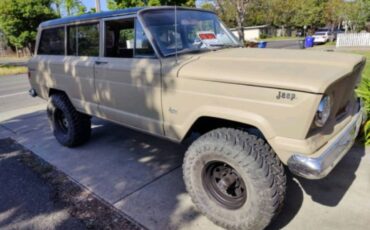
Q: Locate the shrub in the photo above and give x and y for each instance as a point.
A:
(263, 36)
(363, 92)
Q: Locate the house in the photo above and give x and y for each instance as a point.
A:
(252, 32)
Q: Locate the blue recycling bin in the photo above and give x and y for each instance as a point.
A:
(262, 44)
(309, 42)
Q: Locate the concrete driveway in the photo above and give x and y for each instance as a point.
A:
(141, 176)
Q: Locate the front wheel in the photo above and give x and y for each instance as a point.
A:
(70, 127)
(235, 179)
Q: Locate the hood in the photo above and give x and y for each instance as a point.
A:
(300, 70)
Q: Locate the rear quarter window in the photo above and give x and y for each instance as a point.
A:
(83, 40)
(52, 42)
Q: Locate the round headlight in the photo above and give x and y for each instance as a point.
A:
(323, 111)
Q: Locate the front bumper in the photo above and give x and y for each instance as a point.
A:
(320, 166)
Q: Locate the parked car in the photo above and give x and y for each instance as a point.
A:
(336, 32)
(323, 36)
(300, 32)
(178, 73)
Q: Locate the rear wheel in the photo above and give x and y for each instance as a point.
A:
(70, 127)
(235, 179)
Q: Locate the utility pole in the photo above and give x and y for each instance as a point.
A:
(97, 6)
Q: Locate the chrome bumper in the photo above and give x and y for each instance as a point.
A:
(319, 167)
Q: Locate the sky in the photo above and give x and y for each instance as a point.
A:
(91, 4)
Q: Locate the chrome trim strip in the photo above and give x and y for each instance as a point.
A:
(319, 167)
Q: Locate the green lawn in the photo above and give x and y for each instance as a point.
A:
(333, 43)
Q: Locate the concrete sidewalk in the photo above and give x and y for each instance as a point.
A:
(141, 175)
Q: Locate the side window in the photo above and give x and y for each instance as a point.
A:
(52, 42)
(72, 41)
(119, 38)
(143, 47)
(83, 40)
(125, 38)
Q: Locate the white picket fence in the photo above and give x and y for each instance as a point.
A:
(353, 39)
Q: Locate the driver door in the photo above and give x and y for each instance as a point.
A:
(128, 77)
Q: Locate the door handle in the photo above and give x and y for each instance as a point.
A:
(101, 62)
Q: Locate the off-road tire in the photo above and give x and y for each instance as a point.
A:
(256, 163)
(79, 125)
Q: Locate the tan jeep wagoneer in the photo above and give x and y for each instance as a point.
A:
(176, 72)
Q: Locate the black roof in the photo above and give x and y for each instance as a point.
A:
(84, 17)
(107, 14)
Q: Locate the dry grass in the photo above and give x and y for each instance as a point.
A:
(13, 58)
(12, 70)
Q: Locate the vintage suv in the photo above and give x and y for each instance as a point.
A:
(174, 72)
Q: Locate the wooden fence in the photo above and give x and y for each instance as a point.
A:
(353, 40)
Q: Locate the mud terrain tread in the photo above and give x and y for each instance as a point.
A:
(80, 124)
(256, 158)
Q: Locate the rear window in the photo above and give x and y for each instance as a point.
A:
(52, 42)
(83, 40)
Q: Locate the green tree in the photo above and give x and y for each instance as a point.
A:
(307, 13)
(189, 3)
(334, 11)
(258, 13)
(69, 7)
(281, 12)
(19, 20)
(154, 3)
(121, 4)
(356, 14)
(234, 8)
(226, 12)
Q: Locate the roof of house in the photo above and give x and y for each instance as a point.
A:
(90, 16)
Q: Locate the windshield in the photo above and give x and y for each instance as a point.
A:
(194, 31)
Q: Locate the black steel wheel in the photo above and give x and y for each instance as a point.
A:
(224, 184)
(61, 121)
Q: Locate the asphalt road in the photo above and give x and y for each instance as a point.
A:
(14, 93)
(26, 201)
(284, 44)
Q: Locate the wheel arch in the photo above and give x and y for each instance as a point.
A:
(204, 124)
(53, 91)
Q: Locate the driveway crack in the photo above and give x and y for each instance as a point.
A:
(146, 184)
(8, 129)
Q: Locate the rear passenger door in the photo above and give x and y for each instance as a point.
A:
(128, 77)
(82, 53)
